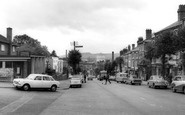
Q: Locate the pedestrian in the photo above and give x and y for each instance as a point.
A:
(85, 78)
(107, 79)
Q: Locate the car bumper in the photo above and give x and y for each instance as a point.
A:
(17, 85)
(161, 84)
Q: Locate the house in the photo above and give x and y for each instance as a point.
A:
(15, 64)
(173, 65)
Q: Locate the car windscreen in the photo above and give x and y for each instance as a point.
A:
(158, 77)
(75, 78)
(134, 76)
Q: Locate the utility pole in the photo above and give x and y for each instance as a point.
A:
(76, 46)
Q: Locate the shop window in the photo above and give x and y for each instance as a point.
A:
(1, 64)
(13, 48)
(8, 65)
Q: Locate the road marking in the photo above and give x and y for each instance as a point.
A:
(152, 104)
(142, 98)
(16, 104)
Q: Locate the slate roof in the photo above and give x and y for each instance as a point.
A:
(173, 25)
(3, 39)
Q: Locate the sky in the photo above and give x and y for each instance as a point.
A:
(100, 26)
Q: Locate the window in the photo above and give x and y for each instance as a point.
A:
(1, 64)
(2, 47)
(45, 78)
(13, 48)
(8, 64)
(38, 78)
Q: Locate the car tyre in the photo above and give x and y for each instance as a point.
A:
(53, 88)
(26, 87)
(154, 86)
(184, 90)
(174, 90)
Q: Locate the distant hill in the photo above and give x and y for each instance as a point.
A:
(92, 57)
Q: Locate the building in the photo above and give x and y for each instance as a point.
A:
(15, 64)
(174, 65)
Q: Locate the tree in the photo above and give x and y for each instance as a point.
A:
(165, 45)
(20, 40)
(74, 58)
(26, 43)
(180, 43)
(53, 53)
(119, 61)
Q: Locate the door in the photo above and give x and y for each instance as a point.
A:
(37, 82)
(47, 82)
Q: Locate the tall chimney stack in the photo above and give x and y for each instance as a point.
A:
(9, 34)
(148, 33)
(9, 37)
(112, 56)
(133, 46)
(181, 12)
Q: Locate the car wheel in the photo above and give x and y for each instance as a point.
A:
(184, 90)
(154, 86)
(80, 86)
(174, 90)
(53, 88)
(26, 87)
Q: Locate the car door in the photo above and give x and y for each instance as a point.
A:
(37, 82)
(46, 82)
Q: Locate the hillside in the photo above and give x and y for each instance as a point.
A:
(92, 57)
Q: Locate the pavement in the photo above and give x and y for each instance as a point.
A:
(64, 84)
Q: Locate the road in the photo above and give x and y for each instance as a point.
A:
(94, 98)
(18, 102)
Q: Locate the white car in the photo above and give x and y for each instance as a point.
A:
(36, 81)
(76, 81)
(178, 83)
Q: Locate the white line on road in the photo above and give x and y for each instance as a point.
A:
(16, 104)
(142, 98)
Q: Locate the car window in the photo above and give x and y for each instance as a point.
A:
(46, 78)
(52, 79)
(38, 78)
(177, 79)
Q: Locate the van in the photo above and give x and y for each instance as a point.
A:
(102, 75)
(121, 77)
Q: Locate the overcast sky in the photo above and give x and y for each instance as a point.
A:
(101, 26)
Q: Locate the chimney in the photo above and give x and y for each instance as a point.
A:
(128, 47)
(181, 12)
(9, 37)
(148, 34)
(133, 46)
(9, 34)
(112, 56)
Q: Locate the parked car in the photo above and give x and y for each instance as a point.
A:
(112, 78)
(76, 80)
(157, 81)
(90, 77)
(36, 81)
(121, 77)
(178, 84)
(102, 75)
(133, 79)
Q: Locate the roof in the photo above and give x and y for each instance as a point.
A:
(3, 39)
(173, 25)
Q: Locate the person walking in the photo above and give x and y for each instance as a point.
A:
(85, 77)
(107, 79)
